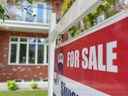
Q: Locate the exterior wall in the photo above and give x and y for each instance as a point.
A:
(56, 6)
(19, 72)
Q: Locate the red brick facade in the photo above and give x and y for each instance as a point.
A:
(19, 72)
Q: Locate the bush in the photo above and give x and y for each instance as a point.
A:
(12, 85)
(33, 84)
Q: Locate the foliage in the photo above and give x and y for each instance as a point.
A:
(12, 85)
(66, 5)
(29, 1)
(3, 12)
(110, 2)
(89, 20)
(33, 84)
(74, 31)
(101, 8)
(106, 8)
(47, 1)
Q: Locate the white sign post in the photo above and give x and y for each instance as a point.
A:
(51, 55)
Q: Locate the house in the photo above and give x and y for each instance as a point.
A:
(24, 41)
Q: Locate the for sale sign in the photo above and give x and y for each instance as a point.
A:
(95, 64)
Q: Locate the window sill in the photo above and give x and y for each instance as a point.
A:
(28, 64)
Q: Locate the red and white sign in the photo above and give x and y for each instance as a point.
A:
(98, 60)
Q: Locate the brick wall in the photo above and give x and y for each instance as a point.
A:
(19, 72)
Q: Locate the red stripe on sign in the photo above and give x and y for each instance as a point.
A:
(99, 60)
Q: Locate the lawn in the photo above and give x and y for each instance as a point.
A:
(25, 93)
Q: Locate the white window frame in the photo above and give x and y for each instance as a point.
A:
(27, 53)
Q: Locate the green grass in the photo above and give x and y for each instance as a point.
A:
(25, 93)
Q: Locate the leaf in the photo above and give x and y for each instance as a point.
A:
(3, 14)
(111, 2)
(30, 1)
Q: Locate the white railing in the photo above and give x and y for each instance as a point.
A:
(38, 13)
(111, 20)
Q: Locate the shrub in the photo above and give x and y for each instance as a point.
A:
(12, 85)
(33, 84)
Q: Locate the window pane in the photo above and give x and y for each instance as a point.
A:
(14, 39)
(23, 39)
(22, 57)
(32, 40)
(47, 54)
(40, 9)
(40, 53)
(32, 53)
(13, 53)
(42, 40)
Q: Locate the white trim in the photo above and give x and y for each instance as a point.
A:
(27, 53)
(25, 23)
(9, 51)
(36, 52)
(14, 64)
(18, 51)
(45, 53)
(99, 26)
(21, 26)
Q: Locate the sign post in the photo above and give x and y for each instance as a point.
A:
(51, 56)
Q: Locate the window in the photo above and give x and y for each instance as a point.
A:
(42, 12)
(26, 50)
(40, 9)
